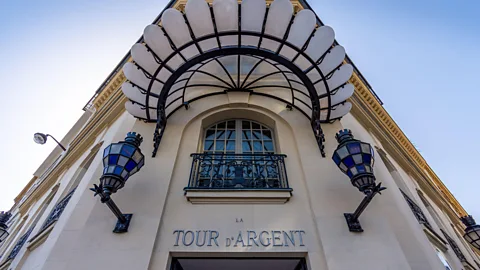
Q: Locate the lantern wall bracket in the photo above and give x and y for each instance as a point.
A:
(123, 221)
(352, 219)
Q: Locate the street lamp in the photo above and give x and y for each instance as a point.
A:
(472, 232)
(41, 138)
(4, 217)
(355, 159)
(120, 161)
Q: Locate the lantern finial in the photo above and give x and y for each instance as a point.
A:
(4, 217)
(134, 138)
(468, 221)
(344, 136)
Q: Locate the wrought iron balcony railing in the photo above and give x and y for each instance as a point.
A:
(57, 210)
(454, 246)
(18, 246)
(238, 171)
(417, 211)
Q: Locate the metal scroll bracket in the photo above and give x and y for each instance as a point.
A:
(352, 219)
(159, 129)
(319, 136)
(123, 221)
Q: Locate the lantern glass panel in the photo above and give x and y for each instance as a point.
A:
(105, 161)
(3, 234)
(128, 150)
(367, 158)
(343, 167)
(336, 159)
(110, 169)
(354, 148)
(354, 171)
(118, 170)
(134, 170)
(122, 161)
(366, 148)
(115, 148)
(106, 151)
(140, 165)
(348, 161)
(342, 152)
(113, 159)
(358, 159)
(130, 165)
(137, 156)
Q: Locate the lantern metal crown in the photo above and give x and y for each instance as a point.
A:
(472, 232)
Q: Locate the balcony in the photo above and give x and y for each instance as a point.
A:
(238, 178)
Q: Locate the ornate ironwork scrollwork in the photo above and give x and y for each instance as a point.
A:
(19, 244)
(57, 210)
(454, 246)
(159, 129)
(238, 171)
(319, 136)
(417, 211)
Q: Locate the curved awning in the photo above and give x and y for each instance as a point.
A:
(252, 47)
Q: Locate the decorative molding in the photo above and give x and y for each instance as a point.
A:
(205, 196)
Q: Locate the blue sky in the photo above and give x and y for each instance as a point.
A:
(419, 56)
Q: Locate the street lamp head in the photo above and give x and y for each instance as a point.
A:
(355, 159)
(40, 138)
(4, 217)
(472, 232)
(120, 161)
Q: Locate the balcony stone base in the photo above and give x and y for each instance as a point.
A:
(236, 196)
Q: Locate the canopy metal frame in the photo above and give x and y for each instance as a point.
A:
(274, 58)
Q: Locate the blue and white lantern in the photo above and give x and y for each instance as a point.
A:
(120, 161)
(355, 158)
(4, 217)
(472, 231)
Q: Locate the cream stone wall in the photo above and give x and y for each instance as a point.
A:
(313, 217)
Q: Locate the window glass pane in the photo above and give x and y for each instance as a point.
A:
(257, 135)
(246, 135)
(268, 146)
(231, 124)
(231, 134)
(247, 147)
(245, 124)
(267, 135)
(255, 125)
(220, 145)
(220, 134)
(231, 146)
(257, 146)
(208, 146)
(210, 135)
(221, 125)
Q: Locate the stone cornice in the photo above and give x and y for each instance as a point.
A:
(369, 111)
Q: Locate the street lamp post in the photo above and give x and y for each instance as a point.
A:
(120, 161)
(41, 138)
(355, 159)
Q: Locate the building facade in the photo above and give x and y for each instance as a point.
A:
(239, 104)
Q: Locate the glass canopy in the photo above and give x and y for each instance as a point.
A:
(228, 46)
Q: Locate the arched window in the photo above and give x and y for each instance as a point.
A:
(238, 153)
(239, 136)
